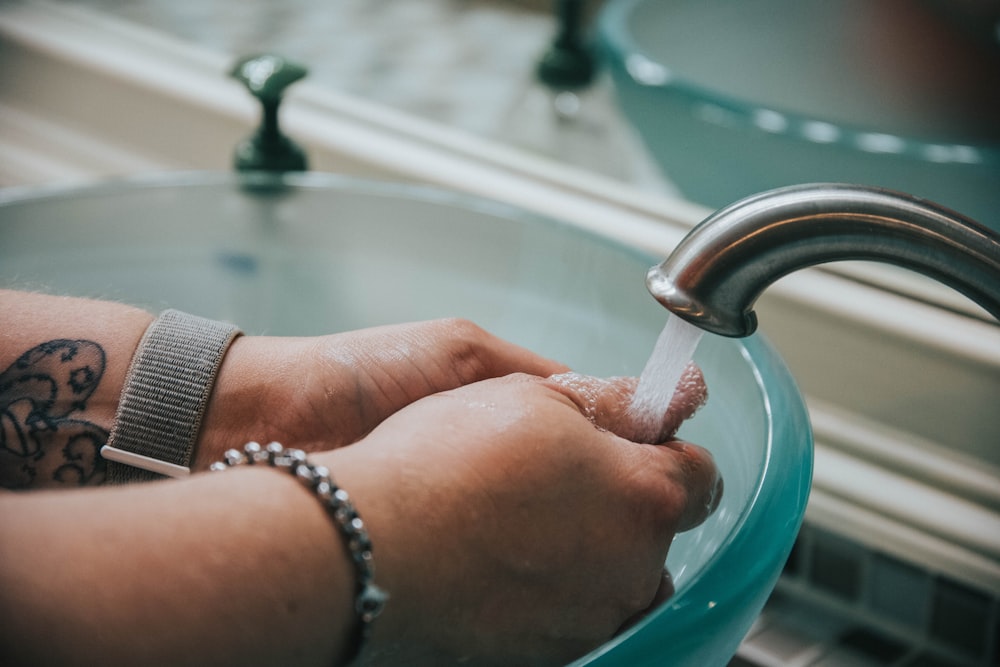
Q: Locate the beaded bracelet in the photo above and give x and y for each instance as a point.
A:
(370, 599)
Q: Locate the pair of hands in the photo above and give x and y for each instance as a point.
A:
(513, 519)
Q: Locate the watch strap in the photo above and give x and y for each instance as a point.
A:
(166, 391)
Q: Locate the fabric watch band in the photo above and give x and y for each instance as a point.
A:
(164, 398)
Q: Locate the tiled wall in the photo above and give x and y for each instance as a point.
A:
(840, 604)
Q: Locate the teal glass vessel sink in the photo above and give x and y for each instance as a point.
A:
(734, 98)
(313, 253)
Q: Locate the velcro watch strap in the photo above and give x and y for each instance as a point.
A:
(164, 398)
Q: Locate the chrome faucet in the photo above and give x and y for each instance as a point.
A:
(717, 272)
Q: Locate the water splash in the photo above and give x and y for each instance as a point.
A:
(664, 369)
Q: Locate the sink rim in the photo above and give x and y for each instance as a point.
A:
(784, 404)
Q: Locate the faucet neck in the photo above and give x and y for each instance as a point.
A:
(717, 272)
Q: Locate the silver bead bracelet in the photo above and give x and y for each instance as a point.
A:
(370, 599)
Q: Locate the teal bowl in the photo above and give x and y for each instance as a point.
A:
(316, 253)
(735, 98)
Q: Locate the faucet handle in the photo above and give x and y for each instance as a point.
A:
(567, 64)
(267, 76)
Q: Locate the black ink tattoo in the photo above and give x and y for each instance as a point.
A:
(41, 444)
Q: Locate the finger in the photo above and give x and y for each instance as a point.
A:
(608, 403)
(664, 591)
(604, 401)
(689, 396)
(693, 485)
(693, 469)
(506, 358)
(475, 354)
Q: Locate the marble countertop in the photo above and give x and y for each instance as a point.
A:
(467, 64)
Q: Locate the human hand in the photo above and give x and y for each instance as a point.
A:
(508, 529)
(324, 392)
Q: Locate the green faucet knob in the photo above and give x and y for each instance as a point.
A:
(568, 62)
(267, 77)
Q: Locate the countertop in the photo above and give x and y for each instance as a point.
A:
(465, 64)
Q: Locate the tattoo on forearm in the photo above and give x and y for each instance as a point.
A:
(41, 442)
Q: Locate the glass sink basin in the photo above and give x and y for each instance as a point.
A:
(318, 254)
(734, 98)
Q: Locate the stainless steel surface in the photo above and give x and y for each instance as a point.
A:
(714, 276)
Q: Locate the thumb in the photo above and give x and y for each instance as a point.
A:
(608, 403)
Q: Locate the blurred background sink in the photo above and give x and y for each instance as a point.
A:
(734, 98)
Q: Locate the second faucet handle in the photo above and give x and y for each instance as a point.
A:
(266, 77)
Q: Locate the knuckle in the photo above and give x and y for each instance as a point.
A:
(463, 329)
(471, 355)
(659, 494)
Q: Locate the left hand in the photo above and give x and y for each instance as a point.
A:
(325, 392)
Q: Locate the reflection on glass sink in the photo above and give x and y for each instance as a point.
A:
(323, 254)
(737, 98)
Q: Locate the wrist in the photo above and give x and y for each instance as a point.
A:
(230, 418)
(278, 388)
(241, 407)
(369, 599)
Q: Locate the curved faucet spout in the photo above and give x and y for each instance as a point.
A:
(714, 276)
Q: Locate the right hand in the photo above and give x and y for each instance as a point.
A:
(509, 529)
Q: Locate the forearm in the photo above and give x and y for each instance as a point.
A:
(242, 567)
(63, 362)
